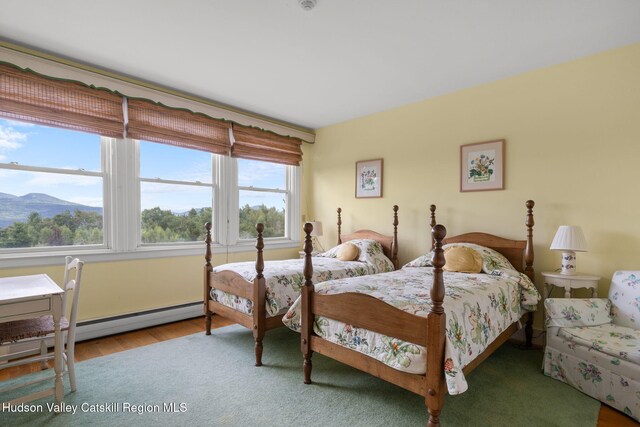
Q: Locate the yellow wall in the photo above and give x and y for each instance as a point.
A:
(572, 145)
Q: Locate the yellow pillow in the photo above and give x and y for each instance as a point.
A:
(462, 259)
(348, 252)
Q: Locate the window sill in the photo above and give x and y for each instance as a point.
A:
(35, 259)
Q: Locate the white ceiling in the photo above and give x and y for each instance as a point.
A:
(344, 59)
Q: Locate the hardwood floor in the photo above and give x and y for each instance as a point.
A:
(112, 344)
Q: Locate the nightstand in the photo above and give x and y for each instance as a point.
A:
(569, 282)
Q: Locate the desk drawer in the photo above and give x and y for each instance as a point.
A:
(25, 308)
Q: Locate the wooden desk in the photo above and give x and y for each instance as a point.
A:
(28, 297)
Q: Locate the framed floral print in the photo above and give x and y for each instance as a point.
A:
(369, 178)
(482, 166)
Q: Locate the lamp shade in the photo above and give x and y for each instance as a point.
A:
(317, 228)
(569, 238)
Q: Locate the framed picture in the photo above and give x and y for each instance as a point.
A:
(482, 166)
(369, 178)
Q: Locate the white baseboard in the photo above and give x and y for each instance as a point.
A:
(117, 325)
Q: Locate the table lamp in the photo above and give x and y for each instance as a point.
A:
(315, 233)
(569, 239)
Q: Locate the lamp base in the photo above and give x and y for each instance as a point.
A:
(568, 263)
(317, 247)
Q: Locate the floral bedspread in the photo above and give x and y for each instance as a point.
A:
(284, 279)
(478, 308)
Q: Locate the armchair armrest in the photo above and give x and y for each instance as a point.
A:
(568, 312)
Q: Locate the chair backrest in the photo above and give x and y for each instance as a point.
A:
(72, 276)
(624, 294)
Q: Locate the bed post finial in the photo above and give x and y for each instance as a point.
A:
(259, 247)
(207, 278)
(394, 245)
(207, 241)
(339, 225)
(259, 295)
(307, 295)
(432, 224)
(436, 332)
(308, 249)
(437, 259)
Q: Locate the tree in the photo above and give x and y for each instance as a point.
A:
(84, 228)
(15, 236)
(272, 218)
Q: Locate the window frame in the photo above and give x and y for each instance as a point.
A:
(213, 185)
(292, 210)
(106, 204)
(120, 162)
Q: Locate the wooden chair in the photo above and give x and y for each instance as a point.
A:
(31, 331)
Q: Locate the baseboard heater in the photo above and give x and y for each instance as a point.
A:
(129, 322)
(117, 324)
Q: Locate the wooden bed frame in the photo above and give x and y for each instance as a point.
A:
(231, 282)
(429, 332)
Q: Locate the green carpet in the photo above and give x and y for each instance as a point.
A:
(214, 379)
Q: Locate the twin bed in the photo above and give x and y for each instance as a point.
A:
(398, 325)
(257, 295)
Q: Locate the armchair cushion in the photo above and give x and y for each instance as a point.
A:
(625, 296)
(572, 312)
(617, 341)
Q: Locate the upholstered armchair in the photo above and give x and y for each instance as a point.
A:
(594, 344)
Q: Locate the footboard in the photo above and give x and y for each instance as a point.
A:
(373, 315)
(377, 316)
(233, 283)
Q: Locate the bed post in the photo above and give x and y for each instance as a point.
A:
(307, 295)
(394, 246)
(432, 224)
(436, 325)
(528, 260)
(259, 291)
(528, 251)
(207, 279)
(339, 225)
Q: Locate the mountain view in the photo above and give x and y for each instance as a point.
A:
(18, 208)
(38, 220)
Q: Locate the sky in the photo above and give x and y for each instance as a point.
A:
(35, 145)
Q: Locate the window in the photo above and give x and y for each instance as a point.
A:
(181, 189)
(57, 190)
(51, 187)
(87, 169)
(176, 193)
(262, 196)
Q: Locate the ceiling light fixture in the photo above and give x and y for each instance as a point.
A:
(307, 4)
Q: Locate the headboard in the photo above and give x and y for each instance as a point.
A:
(518, 252)
(389, 243)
